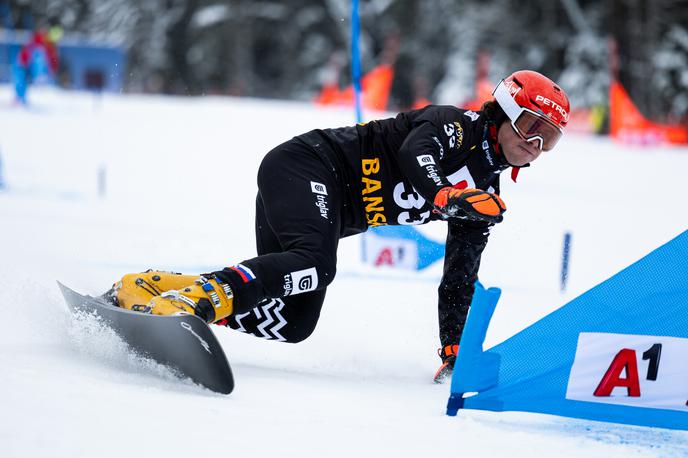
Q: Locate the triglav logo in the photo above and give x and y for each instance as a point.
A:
(488, 155)
(320, 191)
(287, 284)
(318, 188)
(300, 281)
(425, 159)
(204, 344)
(305, 283)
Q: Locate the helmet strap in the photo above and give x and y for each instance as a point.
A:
(514, 173)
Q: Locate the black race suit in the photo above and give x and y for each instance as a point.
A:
(332, 183)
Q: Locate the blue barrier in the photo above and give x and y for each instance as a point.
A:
(616, 353)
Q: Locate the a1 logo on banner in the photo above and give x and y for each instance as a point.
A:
(391, 252)
(633, 370)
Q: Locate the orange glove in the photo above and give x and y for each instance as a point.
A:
(470, 204)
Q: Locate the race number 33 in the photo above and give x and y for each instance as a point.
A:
(634, 370)
(412, 202)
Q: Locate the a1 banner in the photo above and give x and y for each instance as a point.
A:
(381, 251)
(617, 353)
(400, 247)
(633, 370)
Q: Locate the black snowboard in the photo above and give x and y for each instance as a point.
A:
(183, 342)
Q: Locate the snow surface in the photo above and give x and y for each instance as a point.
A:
(180, 186)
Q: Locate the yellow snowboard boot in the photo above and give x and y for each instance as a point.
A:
(134, 291)
(167, 293)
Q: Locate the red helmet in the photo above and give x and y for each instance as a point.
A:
(537, 107)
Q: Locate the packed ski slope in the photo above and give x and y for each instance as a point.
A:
(178, 177)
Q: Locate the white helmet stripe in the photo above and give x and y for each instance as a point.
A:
(504, 99)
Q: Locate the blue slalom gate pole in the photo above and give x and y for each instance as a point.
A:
(356, 80)
(102, 181)
(2, 180)
(356, 59)
(565, 255)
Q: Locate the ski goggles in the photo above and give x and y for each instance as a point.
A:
(529, 125)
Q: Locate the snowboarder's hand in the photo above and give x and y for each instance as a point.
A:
(470, 204)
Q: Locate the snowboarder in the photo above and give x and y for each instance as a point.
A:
(435, 163)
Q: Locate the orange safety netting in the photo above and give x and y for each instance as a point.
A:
(483, 93)
(627, 123)
(375, 87)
